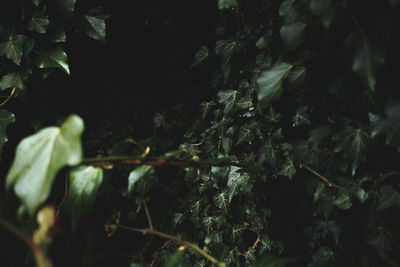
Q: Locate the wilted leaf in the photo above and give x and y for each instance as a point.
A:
(6, 117)
(40, 156)
(269, 84)
(13, 49)
(292, 34)
(55, 58)
(84, 183)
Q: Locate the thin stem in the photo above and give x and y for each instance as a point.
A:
(323, 178)
(386, 175)
(18, 233)
(177, 239)
(155, 161)
(8, 97)
(148, 214)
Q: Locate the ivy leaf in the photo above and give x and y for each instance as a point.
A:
(205, 108)
(84, 182)
(288, 11)
(95, 25)
(67, 5)
(136, 175)
(11, 80)
(301, 116)
(175, 259)
(40, 156)
(55, 58)
(57, 35)
(37, 2)
(292, 34)
(288, 168)
(38, 24)
(325, 9)
(354, 143)
(222, 4)
(200, 55)
(366, 61)
(322, 256)
(221, 199)
(6, 117)
(388, 197)
(13, 49)
(271, 260)
(269, 84)
(229, 98)
(342, 201)
(390, 126)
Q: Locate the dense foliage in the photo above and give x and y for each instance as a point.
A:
(226, 133)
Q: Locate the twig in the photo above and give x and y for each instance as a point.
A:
(151, 231)
(147, 214)
(157, 161)
(8, 97)
(18, 233)
(386, 175)
(323, 178)
(65, 195)
(177, 239)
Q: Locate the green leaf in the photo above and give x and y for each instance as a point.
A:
(342, 201)
(84, 183)
(390, 125)
(288, 11)
(269, 84)
(11, 80)
(289, 168)
(221, 199)
(37, 2)
(55, 58)
(6, 117)
(200, 55)
(354, 142)
(95, 26)
(292, 34)
(40, 156)
(175, 259)
(136, 175)
(13, 49)
(388, 197)
(366, 61)
(222, 4)
(38, 24)
(57, 35)
(271, 260)
(205, 108)
(301, 116)
(229, 98)
(67, 5)
(325, 9)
